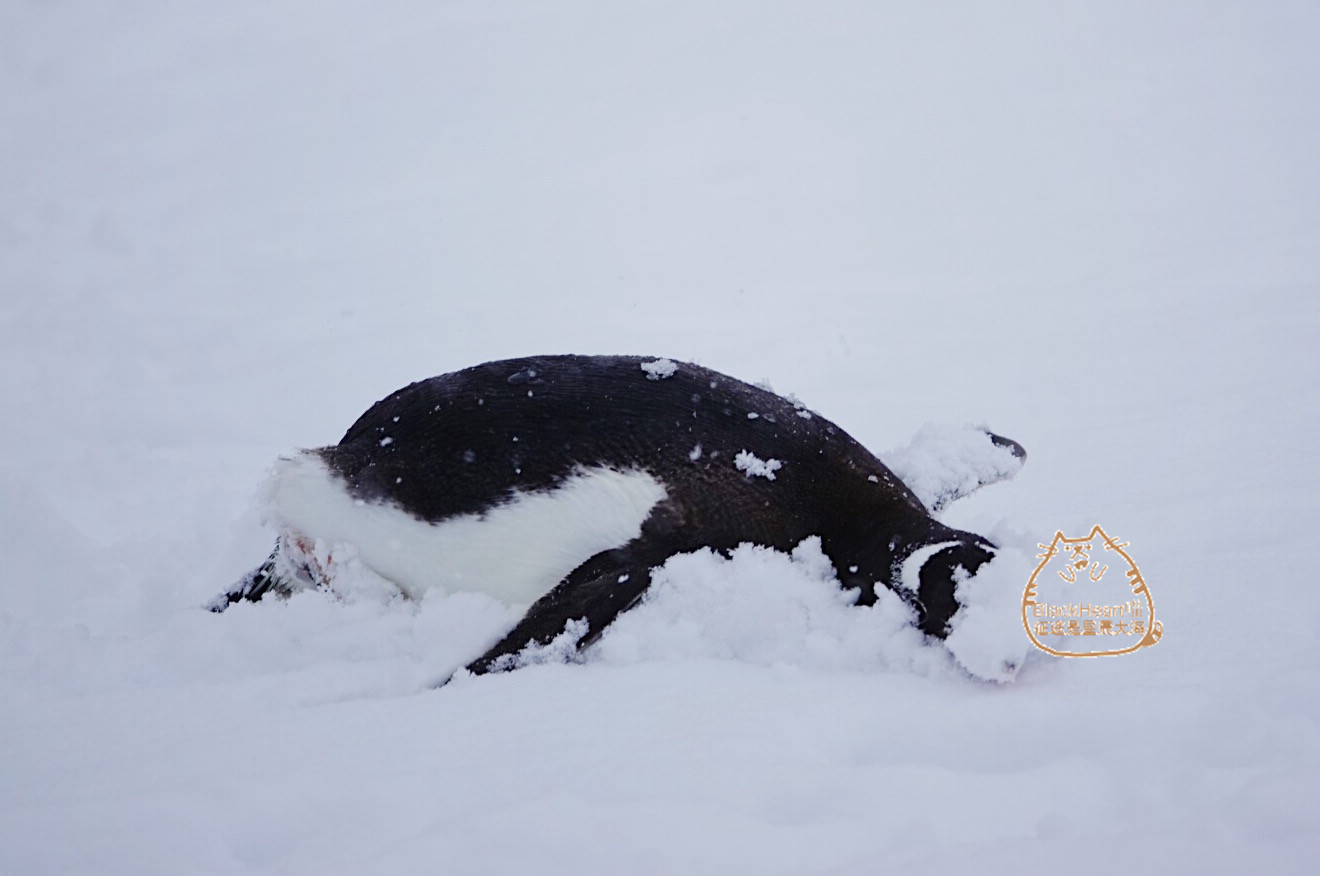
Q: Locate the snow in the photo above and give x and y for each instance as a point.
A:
(943, 463)
(659, 369)
(986, 638)
(748, 462)
(764, 608)
(227, 230)
(562, 648)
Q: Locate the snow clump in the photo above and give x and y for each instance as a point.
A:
(943, 463)
(659, 369)
(561, 649)
(747, 462)
(986, 635)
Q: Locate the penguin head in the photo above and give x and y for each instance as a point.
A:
(939, 577)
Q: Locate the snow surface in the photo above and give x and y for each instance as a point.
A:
(228, 229)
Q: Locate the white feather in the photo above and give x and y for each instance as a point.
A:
(515, 553)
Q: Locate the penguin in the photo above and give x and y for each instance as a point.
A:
(560, 482)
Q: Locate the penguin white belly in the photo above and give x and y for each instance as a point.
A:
(516, 551)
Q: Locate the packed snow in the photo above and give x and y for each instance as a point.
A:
(228, 229)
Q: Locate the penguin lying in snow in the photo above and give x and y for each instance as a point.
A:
(560, 482)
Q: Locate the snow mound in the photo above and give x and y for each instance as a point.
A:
(767, 608)
(986, 637)
(943, 463)
(758, 606)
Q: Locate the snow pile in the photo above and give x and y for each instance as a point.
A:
(986, 637)
(659, 369)
(757, 605)
(746, 461)
(764, 607)
(943, 463)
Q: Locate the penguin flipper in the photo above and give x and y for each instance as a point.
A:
(578, 609)
(590, 597)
